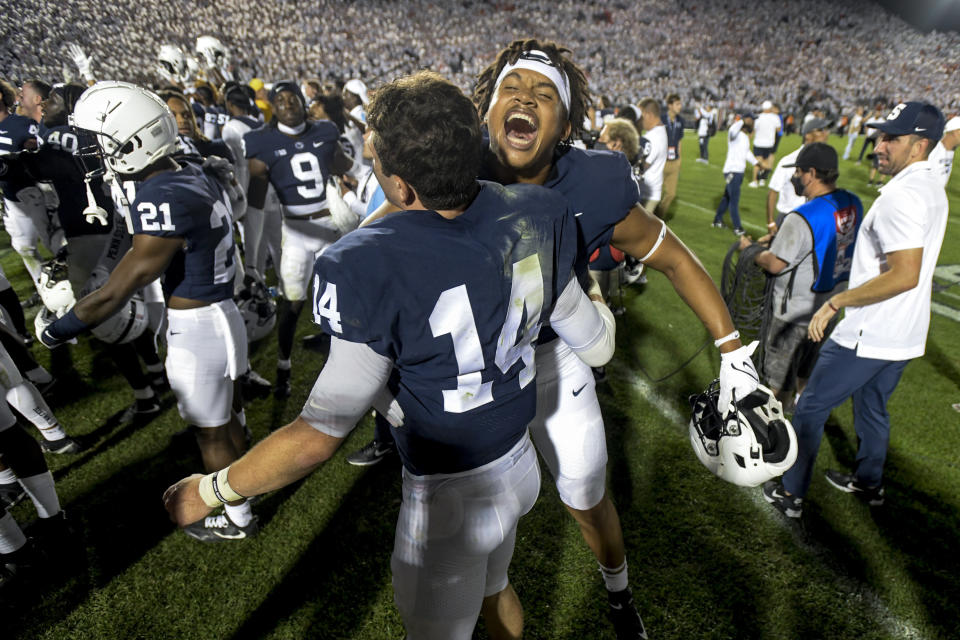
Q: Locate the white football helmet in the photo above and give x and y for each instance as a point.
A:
(172, 64)
(212, 52)
(54, 287)
(133, 126)
(125, 325)
(259, 311)
(751, 444)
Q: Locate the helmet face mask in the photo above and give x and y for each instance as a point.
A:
(173, 64)
(752, 443)
(133, 127)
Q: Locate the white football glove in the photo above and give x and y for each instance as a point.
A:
(738, 376)
(82, 60)
(343, 217)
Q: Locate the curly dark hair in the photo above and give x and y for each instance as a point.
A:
(560, 56)
(428, 133)
(9, 94)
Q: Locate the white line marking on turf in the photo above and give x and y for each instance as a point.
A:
(853, 587)
(946, 311)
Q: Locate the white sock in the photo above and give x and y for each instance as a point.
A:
(283, 364)
(11, 537)
(27, 400)
(39, 376)
(7, 476)
(615, 579)
(240, 515)
(43, 493)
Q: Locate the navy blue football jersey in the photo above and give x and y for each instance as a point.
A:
(457, 306)
(16, 131)
(214, 117)
(189, 204)
(299, 166)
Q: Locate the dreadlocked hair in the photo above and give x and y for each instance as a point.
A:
(560, 56)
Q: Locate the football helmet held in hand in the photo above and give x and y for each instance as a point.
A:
(750, 444)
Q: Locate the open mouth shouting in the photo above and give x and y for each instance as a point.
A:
(521, 129)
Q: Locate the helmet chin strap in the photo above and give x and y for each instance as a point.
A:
(93, 211)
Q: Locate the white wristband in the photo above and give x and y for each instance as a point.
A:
(733, 336)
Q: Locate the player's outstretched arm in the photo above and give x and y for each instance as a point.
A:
(586, 324)
(646, 238)
(285, 456)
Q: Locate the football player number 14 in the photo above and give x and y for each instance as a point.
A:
(452, 315)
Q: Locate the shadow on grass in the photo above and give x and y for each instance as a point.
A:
(342, 573)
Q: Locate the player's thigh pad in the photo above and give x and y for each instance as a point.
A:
(454, 541)
(206, 348)
(568, 428)
(303, 240)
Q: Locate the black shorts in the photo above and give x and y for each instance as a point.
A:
(763, 152)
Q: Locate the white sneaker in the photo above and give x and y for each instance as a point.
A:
(754, 184)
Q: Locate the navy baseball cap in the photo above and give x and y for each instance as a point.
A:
(286, 85)
(917, 118)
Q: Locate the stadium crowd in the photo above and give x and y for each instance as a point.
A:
(285, 148)
(736, 53)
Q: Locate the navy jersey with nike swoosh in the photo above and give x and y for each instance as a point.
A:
(457, 306)
(189, 204)
(299, 165)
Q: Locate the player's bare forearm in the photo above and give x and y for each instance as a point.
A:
(636, 235)
(285, 456)
(146, 260)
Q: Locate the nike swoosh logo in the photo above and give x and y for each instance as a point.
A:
(317, 144)
(746, 371)
(227, 536)
(616, 606)
(577, 391)
(578, 214)
(175, 333)
(918, 129)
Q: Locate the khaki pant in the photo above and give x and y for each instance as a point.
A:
(671, 176)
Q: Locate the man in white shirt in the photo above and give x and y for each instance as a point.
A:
(853, 131)
(888, 313)
(656, 135)
(738, 154)
(781, 198)
(942, 155)
(764, 140)
(706, 121)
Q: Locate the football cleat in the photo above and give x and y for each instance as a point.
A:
(220, 528)
(624, 616)
(63, 445)
(282, 388)
(372, 453)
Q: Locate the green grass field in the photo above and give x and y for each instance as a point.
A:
(707, 559)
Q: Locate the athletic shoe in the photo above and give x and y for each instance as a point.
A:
(763, 183)
(790, 506)
(623, 614)
(632, 270)
(372, 453)
(849, 484)
(63, 445)
(717, 225)
(11, 493)
(753, 184)
(254, 385)
(220, 528)
(956, 406)
(140, 408)
(282, 387)
(738, 232)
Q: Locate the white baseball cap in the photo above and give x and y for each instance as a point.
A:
(356, 86)
(952, 124)
(766, 105)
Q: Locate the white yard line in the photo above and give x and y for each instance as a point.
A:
(854, 588)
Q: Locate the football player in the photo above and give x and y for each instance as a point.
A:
(297, 157)
(533, 99)
(449, 294)
(182, 230)
(25, 215)
(87, 229)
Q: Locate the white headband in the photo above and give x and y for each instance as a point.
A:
(540, 62)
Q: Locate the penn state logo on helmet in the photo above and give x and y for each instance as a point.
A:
(754, 442)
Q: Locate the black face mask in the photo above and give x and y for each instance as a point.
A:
(601, 146)
(797, 183)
